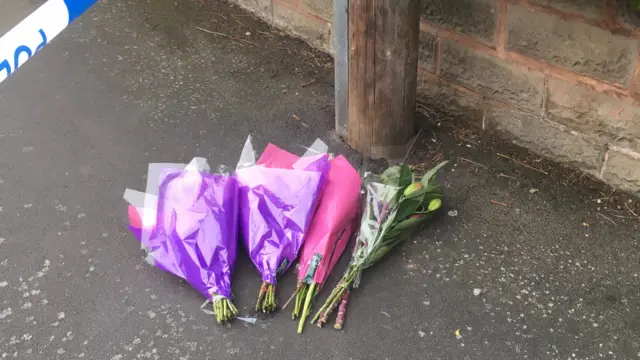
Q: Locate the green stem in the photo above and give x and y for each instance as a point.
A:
(267, 298)
(234, 310)
(224, 310)
(307, 306)
(265, 303)
(324, 306)
(216, 312)
(334, 303)
(327, 302)
(337, 292)
(300, 299)
(274, 305)
(294, 295)
(260, 296)
(221, 309)
(296, 306)
(272, 302)
(269, 304)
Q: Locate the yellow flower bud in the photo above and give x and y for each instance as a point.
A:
(412, 188)
(434, 205)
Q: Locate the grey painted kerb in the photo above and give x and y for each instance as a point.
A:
(341, 45)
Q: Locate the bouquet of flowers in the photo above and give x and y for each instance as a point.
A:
(396, 205)
(276, 208)
(333, 223)
(187, 223)
(143, 210)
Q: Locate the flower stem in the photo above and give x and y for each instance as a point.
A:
(261, 295)
(327, 302)
(295, 294)
(266, 305)
(274, 304)
(216, 312)
(234, 310)
(299, 297)
(225, 313)
(336, 295)
(342, 310)
(332, 306)
(223, 309)
(266, 298)
(307, 306)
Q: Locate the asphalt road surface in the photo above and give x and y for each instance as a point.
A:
(135, 82)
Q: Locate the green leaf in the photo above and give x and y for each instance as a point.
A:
(402, 231)
(377, 255)
(398, 175)
(391, 176)
(424, 206)
(434, 192)
(426, 179)
(433, 188)
(407, 207)
(393, 236)
(407, 224)
(406, 175)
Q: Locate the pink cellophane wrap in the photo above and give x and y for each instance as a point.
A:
(335, 218)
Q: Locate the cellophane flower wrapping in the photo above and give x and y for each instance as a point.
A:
(276, 208)
(332, 225)
(143, 213)
(197, 222)
(194, 233)
(397, 204)
(333, 222)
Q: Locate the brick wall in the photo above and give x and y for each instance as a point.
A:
(561, 77)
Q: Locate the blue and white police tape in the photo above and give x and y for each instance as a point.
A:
(34, 32)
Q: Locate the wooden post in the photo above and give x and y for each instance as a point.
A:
(383, 71)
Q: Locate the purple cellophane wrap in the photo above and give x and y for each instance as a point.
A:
(276, 208)
(195, 236)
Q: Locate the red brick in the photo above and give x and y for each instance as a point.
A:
(590, 9)
(472, 17)
(547, 138)
(573, 45)
(494, 78)
(592, 112)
